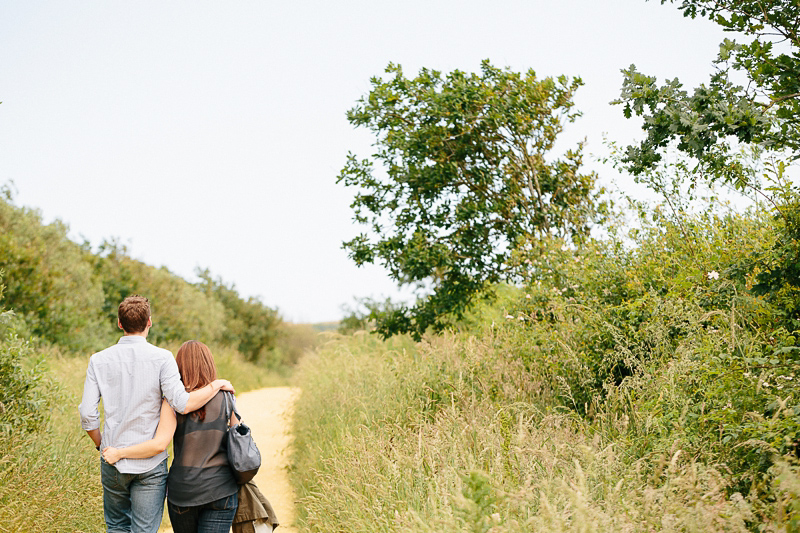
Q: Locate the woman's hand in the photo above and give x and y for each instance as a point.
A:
(112, 455)
(148, 448)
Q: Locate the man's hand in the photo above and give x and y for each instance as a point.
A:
(222, 384)
(199, 397)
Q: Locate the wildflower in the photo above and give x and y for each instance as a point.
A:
(565, 248)
(713, 275)
(520, 317)
(509, 317)
(528, 296)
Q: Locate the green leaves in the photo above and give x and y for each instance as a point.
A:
(462, 172)
(49, 282)
(23, 406)
(709, 124)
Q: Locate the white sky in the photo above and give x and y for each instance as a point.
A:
(211, 133)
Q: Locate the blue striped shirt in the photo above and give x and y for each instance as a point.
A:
(131, 377)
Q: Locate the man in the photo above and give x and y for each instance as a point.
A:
(132, 377)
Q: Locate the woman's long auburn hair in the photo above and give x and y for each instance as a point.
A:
(196, 365)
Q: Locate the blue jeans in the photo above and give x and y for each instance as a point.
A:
(214, 517)
(133, 503)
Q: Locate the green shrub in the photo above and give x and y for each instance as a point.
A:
(667, 336)
(249, 325)
(48, 279)
(778, 269)
(23, 406)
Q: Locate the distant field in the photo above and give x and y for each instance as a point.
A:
(325, 326)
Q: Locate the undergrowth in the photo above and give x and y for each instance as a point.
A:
(452, 436)
(633, 384)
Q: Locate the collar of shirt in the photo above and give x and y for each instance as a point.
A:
(129, 339)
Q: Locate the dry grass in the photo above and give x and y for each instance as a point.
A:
(49, 481)
(451, 437)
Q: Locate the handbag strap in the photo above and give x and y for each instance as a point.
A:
(229, 398)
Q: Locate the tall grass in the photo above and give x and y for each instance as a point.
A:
(453, 434)
(49, 480)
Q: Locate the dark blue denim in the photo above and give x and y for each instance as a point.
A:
(133, 502)
(213, 517)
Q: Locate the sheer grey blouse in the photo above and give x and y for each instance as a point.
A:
(200, 473)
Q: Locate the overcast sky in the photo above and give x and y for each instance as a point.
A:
(210, 134)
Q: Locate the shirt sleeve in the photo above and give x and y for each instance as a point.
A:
(172, 387)
(90, 416)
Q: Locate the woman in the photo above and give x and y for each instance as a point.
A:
(201, 489)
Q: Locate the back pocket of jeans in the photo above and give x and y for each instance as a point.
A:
(223, 504)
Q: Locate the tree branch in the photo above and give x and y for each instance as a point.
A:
(780, 99)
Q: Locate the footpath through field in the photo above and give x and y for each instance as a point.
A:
(268, 412)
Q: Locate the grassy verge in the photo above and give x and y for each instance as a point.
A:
(454, 435)
(50, 479)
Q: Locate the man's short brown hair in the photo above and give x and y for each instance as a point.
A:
(133, 313)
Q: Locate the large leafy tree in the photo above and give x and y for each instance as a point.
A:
(710, 123)
(462, 174)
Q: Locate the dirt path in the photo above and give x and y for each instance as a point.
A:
(268, 413)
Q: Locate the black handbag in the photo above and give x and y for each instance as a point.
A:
(243, 455)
